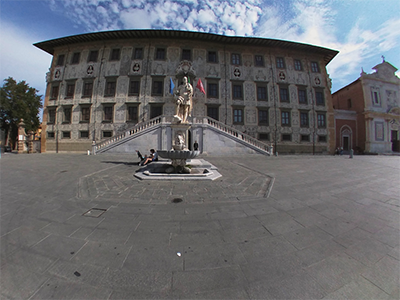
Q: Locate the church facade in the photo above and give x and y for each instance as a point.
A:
(101, 84)
(367, 112)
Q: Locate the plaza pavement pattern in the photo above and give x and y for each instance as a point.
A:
(288, 227)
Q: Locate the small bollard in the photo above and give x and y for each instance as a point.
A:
(88, 152)
(351, 153)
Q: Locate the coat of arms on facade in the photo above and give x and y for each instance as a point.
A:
(185, 68)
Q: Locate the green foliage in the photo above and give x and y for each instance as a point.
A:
(18, 101)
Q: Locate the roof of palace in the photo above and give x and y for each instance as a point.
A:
(50, 45)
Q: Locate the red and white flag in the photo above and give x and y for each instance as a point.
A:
(200, 86)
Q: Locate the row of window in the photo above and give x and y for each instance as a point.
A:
(84, 134)
(157, 89)
(212, 111)
(288, 137)
(186, 54)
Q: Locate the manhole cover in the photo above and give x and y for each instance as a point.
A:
(177, 200)
(94, 212)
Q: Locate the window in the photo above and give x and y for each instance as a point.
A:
(93, 56)
(349, 103)
(157, 87)
(115, 54)
(84, 134)
(54, 92)
(66, 135)
(107, 134)
(70, 90)
(212, 56)
(258, 60)
(235, 59)
(186, 54)
(212, 90)
(138, 54)
(213, 112)
(51, 115)
(314, 67)
(284, 94)
(50, 135)
(280, 63)
(87, 89)
(321, 120)
(60, 60)
(305, 137)
(285, 118)
(156, 110)
(110, 88)
(297, 65)
(75, 58)
(303, 119)
(238, 116)
(85, 114)
(319, 98)
(160, 54)
(263, 136)
(263, 117)
(134, 87)
(302, 94)
(108, 112)
(286, 137)
(237, 91)
(132, 114)
(67, 114)
(322, 138)
(376, 101)
(262, 93)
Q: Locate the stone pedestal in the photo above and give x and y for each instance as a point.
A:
(21, 137)
(180, 134)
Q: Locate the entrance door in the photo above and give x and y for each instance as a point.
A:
(346, 143)
(395, 141)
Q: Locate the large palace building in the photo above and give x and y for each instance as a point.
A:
(104, 85)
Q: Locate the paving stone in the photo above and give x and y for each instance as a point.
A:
(186, 282)
(101, 254)
(359, 288)
(57, 288)
(300, 286)
(303, 238)
(58, 246)
(226, 223)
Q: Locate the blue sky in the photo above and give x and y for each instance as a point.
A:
(362, 30)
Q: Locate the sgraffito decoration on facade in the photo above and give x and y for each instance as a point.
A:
(282, 76)
(136, 67)
(90, 70)
(237, 72)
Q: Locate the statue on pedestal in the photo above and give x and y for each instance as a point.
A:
(183, 94)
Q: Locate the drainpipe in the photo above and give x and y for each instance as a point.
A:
(275, 106)
(97, 93)
(226, 87)
(313, 106)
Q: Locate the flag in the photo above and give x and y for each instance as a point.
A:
(171, 86)
(200, 86)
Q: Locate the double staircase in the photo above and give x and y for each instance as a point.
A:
(153, 124)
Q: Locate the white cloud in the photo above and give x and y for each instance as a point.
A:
(306, 21)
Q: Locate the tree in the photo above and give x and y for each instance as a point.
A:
(18, 101)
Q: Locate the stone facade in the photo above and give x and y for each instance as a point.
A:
(367, 112)
(100, 84)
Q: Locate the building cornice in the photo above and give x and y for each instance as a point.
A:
(50, 45)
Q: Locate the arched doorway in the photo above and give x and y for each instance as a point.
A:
(346, 138)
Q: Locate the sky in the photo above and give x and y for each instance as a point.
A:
(361, 30)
